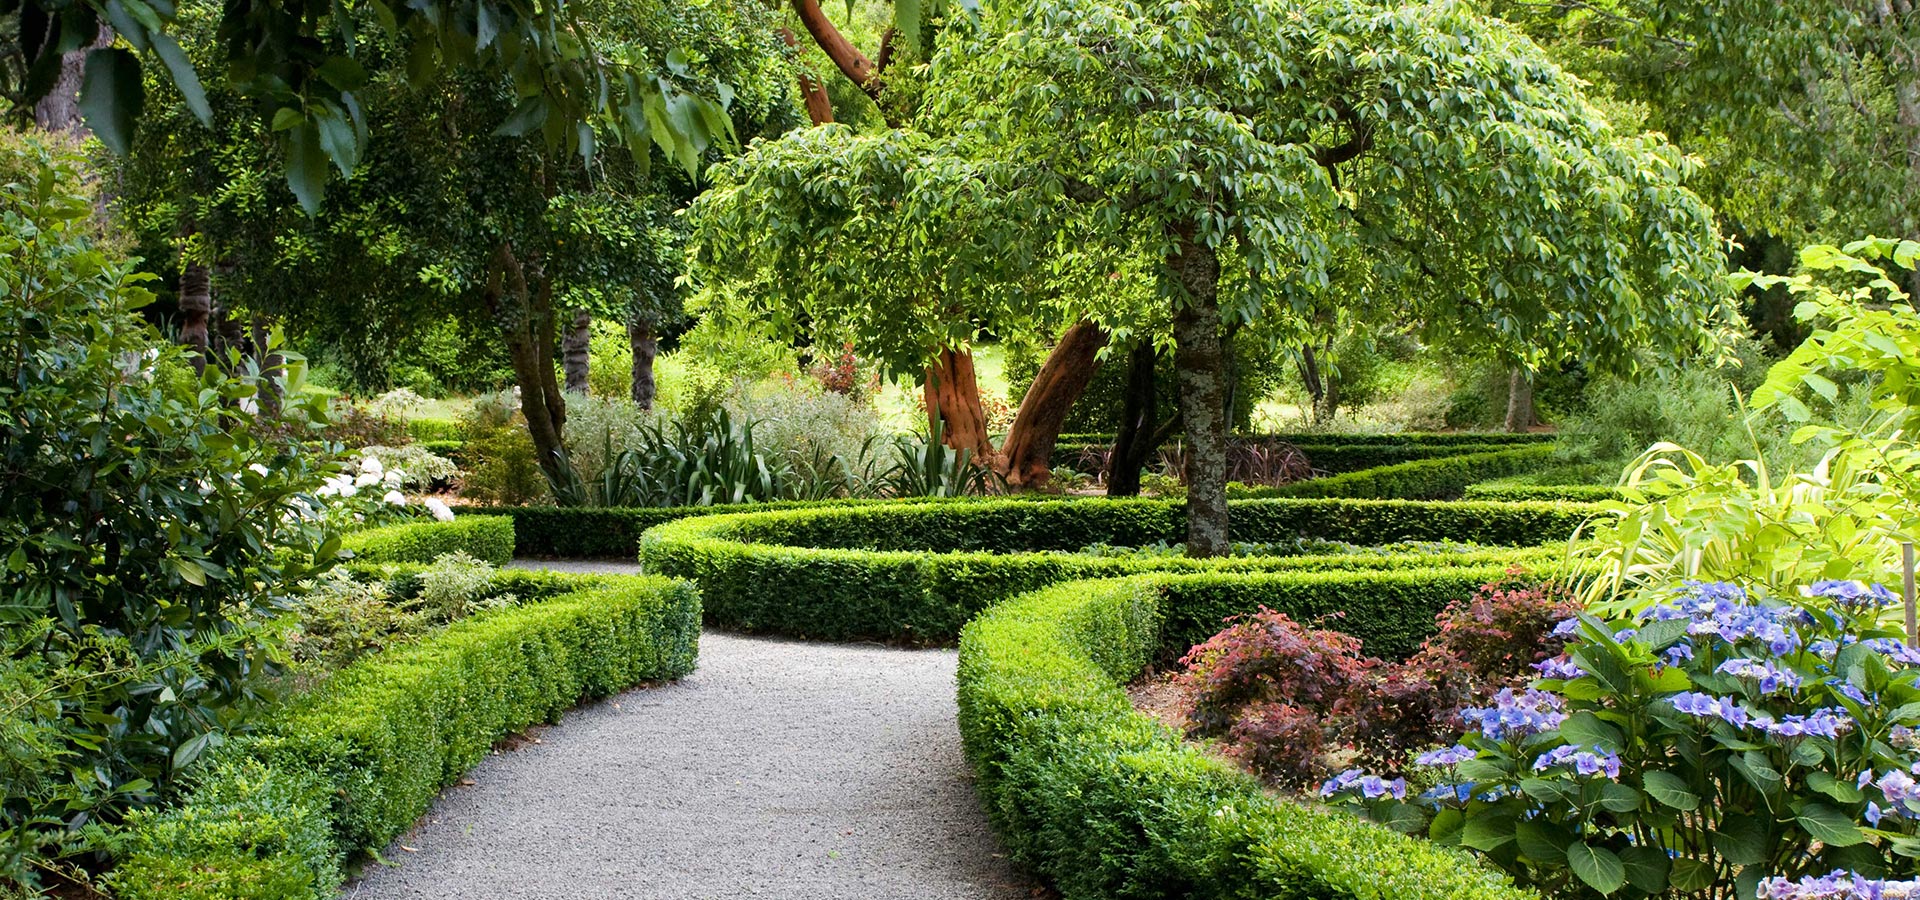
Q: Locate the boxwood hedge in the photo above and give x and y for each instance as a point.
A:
(1106, 803)
(1441, 478)
(353, 764)
(1573, 493)
(487, 537)
(918, 572)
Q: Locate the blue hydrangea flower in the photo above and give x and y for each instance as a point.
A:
(1853, 594)
(1678, 654)
(1371, 787)
(1827, 723)
(1770, 677)
(1584, 762)
(1893, 649)
(1694, 703)
(1516, 715)
(1446, 756)
(1840, 885)
(1562, 668)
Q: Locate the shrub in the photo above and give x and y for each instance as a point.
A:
(354, 426)
(414, 466)
(1105, 804)
(455, 586)
(384, 736)
(1444, 478)
(250, 831)
(862, 571)
(1713, 739)
(489, 538)
(502, 468)
(1503, 492)
(148, 529)
(342, 619)
(427, 430)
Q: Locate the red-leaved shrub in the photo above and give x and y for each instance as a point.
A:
(1282, 697)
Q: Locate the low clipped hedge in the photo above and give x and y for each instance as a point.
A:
(425, 429)
(917, 572)
(353, 764)
(1332, 438)
(1106, 803)
(1572, 493)
(490, 538)
(452, 451)
(1443, 478)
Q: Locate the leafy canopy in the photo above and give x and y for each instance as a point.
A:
(1412, 162)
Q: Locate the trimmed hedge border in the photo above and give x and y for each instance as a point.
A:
(353, 764)
(1573, 493)
(1107, 803)
(426, 429)
(1354, 439)
(916, 573)
(1445, 478)
(490, 538)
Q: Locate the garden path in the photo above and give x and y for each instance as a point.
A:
(780, 769)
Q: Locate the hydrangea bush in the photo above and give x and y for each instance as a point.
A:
(1716, 744)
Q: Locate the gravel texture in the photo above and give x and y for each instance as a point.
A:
(778, 769)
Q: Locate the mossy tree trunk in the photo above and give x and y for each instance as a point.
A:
(1200, 368)
(646, 346)
(575, 357)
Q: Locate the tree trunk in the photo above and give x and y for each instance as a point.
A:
(1138, 437)
(574, 355)
(1200, 366)
(522, 303)
(1520, 414)
(1027, 453)
(953, 399)
(59, 110)
(196, 310)
(645, 346)
(812, 89)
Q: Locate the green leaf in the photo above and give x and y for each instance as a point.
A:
(908, 21)
(1541, 841)
(1829, 826)
(1669, 789)
(1597, 866)
(184, 77)
(1690, 876)
(112, 96)
(1586, 729)
(1490, 830)
(1618, 797)
(307, 168)
(530, 114)
(1648, 868)
(1741, 840)
(337, 139)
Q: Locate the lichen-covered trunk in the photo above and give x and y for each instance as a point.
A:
(196, 313)
(952, 395)
(1027, 453)
(646, 345)
(521, 301)
(1200, 368)
(1138, 437)
(1520, 414)
(574, 356)
(59, 110)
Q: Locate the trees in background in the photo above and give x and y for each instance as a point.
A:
(1404, 163)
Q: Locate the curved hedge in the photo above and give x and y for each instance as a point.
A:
(1572, 493)
(353, 764)
(487, 537)
(842, 573)
(1441, 478)
(1106, 803)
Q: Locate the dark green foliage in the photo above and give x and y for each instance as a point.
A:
(1106, 804)
(251, 830)
(453, 451)
(487, 537)
(149, 529)
(865, 571)
(1444, 478)
(1337, 454)
(1340, 459)
(384, 736)
(1573, 493)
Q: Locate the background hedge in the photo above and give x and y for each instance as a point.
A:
(1108, 804)
(1574, 493)
(867, 573)
(360, 759)
(1443, 478)
(486, 537)
(424, 429)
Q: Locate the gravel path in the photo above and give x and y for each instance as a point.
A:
(779, 769)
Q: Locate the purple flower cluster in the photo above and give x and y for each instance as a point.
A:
(1561, 668)
(1827, 722)
(1840, 885)
(1677, 654)
(1853, 594)
(1893, 649)
(1371, 787)
(1771, 678)
(1446, 756)
(1900, 791)
(1700, 705)
(1722, 609)
(1516, 715)
(1586, 763)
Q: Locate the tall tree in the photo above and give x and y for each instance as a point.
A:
(1412, 161)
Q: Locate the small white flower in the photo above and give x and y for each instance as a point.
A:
(396, 498)
(367, 479)
(394, 478)
(259, 470)
(439, 508)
